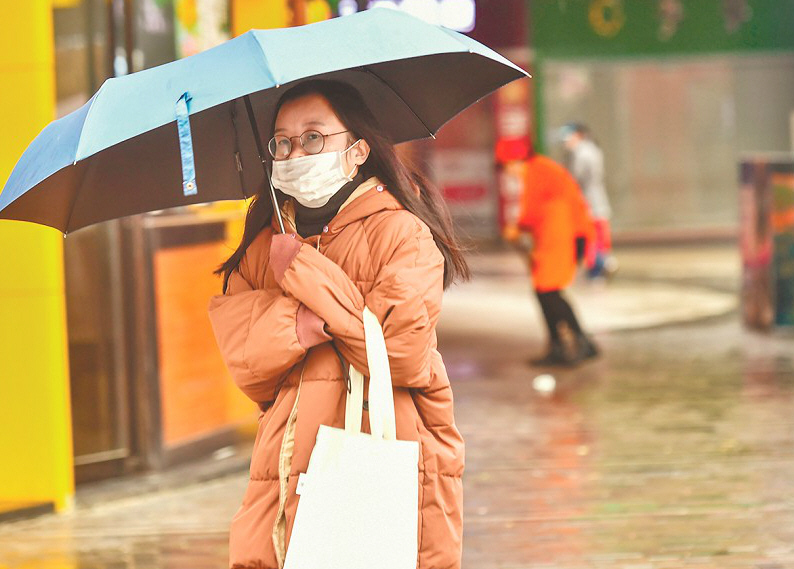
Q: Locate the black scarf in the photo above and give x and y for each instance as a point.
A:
(311, 220)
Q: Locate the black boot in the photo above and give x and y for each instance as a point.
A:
(585, 347)
(556, 356)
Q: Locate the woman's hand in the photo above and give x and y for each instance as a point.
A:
(284, 248)
(310, 328)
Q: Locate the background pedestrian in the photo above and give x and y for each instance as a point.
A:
(554, 213)
(586, 163)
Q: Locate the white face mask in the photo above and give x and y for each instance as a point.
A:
(312, 179)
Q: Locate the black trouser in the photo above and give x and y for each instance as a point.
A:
(555, 310)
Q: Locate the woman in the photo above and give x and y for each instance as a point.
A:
(362, 229)
(555, 213)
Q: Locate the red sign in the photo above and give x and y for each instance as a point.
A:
(465, 193)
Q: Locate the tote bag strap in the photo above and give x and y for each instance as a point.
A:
(355, 402)
(381, 397)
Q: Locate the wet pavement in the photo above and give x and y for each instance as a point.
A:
(675, 449)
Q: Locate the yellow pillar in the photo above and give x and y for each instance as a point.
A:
(259, 14)
(35, 415)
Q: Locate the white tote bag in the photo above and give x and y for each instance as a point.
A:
(359, 498)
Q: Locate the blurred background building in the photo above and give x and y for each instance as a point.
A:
(126, 376)
(674, 92)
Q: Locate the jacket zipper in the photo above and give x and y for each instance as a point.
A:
(279, 533)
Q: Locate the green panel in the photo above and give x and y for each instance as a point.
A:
(619, 28)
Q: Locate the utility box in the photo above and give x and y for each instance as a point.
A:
(767, 240)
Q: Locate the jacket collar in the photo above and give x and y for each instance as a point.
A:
(370, 197)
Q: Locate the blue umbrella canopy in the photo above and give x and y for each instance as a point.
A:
(180, 134)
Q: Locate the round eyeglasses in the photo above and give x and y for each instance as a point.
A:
(312, 141)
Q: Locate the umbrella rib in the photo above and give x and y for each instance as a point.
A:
(93, 100)
(76, 194)
(393, 90)
(237, 156)
(268, 67)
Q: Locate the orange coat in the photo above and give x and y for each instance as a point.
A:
(374, 252)
(555, 213)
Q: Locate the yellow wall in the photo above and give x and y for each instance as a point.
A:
(259, 14)
(35, 415)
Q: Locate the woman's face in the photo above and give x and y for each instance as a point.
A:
(314, 112)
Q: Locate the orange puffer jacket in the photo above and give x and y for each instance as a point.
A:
(555, 212)
(272, 329)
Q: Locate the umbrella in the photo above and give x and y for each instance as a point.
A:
(187, 132)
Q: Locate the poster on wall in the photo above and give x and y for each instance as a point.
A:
(200, 25)
(767, 241)
(511, 187)
(782, 183)
(465, 178)
(513, 124)
(755, 241)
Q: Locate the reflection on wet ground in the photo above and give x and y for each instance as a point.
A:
(676, 449)
(182, 528)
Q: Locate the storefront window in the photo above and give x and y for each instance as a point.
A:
(672, 131)
(91, 261)
(81, 51)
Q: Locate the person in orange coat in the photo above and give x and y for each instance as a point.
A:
(555, 214)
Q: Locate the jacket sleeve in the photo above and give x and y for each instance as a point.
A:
(256, 332)
(405, 296)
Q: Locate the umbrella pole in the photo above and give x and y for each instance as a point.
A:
(262, 159)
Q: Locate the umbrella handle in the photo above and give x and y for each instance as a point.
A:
(262, 159)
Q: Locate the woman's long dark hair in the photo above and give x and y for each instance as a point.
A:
(411, 188)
